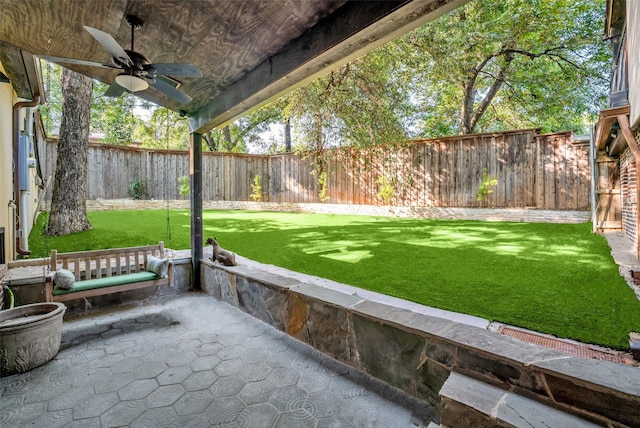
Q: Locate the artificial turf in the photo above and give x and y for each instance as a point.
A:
(557, 279)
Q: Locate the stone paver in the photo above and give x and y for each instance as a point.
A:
(190, 360)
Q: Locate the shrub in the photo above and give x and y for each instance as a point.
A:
(322, 183)
(256, 188)
(486, 187)
(386, 190)
(136, 189)
(183, 188)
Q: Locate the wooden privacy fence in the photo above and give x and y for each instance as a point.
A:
(539, 171)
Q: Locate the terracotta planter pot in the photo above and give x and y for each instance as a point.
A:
(29, 336)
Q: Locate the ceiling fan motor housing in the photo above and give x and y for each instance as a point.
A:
(140, 65)
(134, 22)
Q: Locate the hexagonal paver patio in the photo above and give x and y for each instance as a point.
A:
(192, 361)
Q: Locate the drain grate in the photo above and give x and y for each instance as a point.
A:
(580, 350)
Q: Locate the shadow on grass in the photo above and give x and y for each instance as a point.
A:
(552, 278)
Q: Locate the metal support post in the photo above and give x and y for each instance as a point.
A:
(195, 175)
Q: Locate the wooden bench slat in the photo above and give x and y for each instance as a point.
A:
(137, 261)
(87, 267)
(118, 264)
(111, 251)
(108, 266)
(98, 267)
(127, 260)
(76, 268)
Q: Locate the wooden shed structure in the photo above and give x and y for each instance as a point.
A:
(617, 136)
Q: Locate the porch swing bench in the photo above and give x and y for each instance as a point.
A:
(101, 272)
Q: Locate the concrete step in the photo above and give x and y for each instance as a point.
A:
(468, 402)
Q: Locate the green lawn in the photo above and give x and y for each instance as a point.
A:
(553, 278)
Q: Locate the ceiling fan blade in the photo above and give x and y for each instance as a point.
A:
(114, 90)
(76, 61)
(177, 70)
(170, 91)
(110, 45)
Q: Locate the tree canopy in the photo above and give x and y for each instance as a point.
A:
(118, 121)
(495, 65)
(490, 65)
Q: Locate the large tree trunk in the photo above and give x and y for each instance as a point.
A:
(287, 136)
(229, 145)
(211, 141)
(466, 109)
(68, 204)
(468, 116)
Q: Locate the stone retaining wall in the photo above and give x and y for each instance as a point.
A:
(417, 353)
(489, 214)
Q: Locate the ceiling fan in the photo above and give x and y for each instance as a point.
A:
(138, 73)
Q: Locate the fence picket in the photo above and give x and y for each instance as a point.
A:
(540, 171)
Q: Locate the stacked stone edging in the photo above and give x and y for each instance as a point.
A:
(417, 353)
(486, 214)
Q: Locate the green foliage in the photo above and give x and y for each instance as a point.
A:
(518, 63)
(546, 61)
(547, 54)
(164, 129)
(531, 275)
(322, 185)
(256, 188)
(230, 138)
(113, 117)
(364, 102)
(184, 186)
(52, 109)
(244, 132)
(386, 190)
(486, 186)
(320, 170)
(120, 120)
(8, 297)
(136, 189)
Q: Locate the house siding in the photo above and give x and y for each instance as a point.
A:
(629, 194)
(633, 41)
(628, 190)
(7, 98)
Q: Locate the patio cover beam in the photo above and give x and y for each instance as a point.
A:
(350, 32)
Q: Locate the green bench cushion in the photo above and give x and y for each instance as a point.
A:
(109, 281)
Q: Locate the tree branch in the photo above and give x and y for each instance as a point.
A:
(551, 53)
(470, 117)
(495, 87)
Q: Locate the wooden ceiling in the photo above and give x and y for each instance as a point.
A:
(249, 51)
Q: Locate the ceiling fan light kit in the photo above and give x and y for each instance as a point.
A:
(131, 83)
(137, 72)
